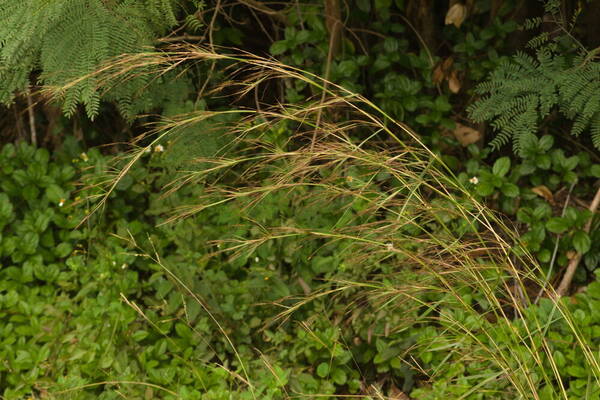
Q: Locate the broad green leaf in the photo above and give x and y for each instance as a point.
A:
(559, 359)
(497, 181)
(30, 192)
(594, 289)
(543, 161)
(441, 104)
(542, 211)
(339, 376)
(42, 221)
(544, 255)
(557, 225)
(302, 36)
(29, 243)
(387, 354)
(524, 215)
(106, 361)
(577, 371)
(138, 336)
(485, 188)
(63, 250)
(67, 173)
(501, 166)
(279, 47)
(396, 363)
(6, 208)
(510, 190)
(527, 168)
(422, 119)
(581, 241)
(322, 264)
(323, 369)
(183, 330)
(571, 162)
(78, 353)
(570, 177)
(545, 143)
(347, 68)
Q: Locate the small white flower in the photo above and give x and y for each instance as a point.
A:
(114, 263)
(61, 202)
(147, 150)
(389, 247)
(256, 259)
(474, 180)
(159, 148)
(84, 156)
(123, 266)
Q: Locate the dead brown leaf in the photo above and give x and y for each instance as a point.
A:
(447, 64)
(442, 69)
(544, 192)
(456, 15)
(466, 135)
(454, 83)
(438, 74)
(396, 394)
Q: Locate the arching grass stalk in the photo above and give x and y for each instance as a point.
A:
(402, 214)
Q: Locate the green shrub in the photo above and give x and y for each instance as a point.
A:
(389, 233)
(346, 268)
(530, 188)
(66, 331)
(469, 373)
(388, 61)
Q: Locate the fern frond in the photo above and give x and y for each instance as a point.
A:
(552, 6)
(523, 91)
(538, 40)
(532, 23)
(193, 23)
(69, 39)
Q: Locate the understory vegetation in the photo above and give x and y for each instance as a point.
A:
(254, 200)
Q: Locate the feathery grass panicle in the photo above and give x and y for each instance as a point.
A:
(400, 207)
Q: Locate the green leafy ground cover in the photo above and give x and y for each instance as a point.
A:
(353, 266)
(86, 313)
